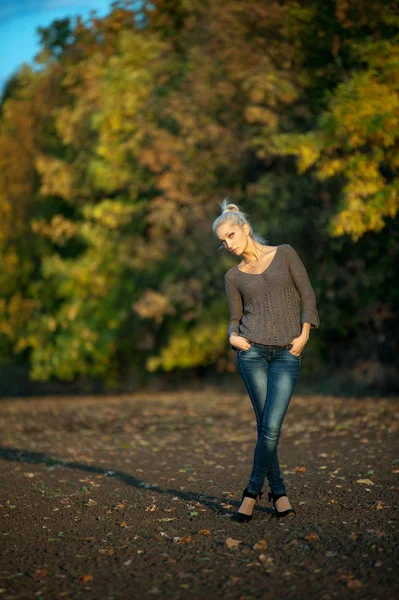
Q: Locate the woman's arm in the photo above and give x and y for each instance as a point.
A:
(305, 330)
(234, 300)
(309, 314)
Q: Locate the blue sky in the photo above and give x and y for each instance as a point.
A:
(19, 20)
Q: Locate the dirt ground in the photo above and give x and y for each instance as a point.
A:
(132, 496)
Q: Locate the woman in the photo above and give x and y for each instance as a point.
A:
(269, 331)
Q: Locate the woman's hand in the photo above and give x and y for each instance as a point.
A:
(239, 342)
(298, 344)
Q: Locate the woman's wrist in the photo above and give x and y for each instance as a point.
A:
(232, 337)
(305, 331)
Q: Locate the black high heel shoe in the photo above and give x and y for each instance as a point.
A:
(284, 513)
(242, 517)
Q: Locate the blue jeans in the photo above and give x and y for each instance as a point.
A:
(269, 375)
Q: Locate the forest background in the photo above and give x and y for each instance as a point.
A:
(117, 148)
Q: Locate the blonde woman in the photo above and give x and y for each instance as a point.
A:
(272, 308)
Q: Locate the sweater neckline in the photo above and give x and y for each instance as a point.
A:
(264, 271)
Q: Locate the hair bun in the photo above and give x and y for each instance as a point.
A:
(231, 208)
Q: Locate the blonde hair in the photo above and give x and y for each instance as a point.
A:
(232, 214)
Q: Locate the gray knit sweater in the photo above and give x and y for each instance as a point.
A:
(265, 307)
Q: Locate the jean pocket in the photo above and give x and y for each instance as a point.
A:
(288, 348)
(244, 351)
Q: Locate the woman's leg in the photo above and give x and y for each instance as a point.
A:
(283, 371)
(253, 365)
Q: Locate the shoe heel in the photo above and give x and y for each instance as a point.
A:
(242, 517)
(284, 513)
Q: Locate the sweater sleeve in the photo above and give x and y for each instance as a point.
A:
(234, 300)
(301, 280)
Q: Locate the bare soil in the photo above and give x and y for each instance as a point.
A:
(132, 497)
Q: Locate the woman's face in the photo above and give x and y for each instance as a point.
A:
(233, 237)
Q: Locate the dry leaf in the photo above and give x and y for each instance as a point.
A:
(40, 573)
(204, 532)
(265, 559)
(261, 545)
(232, 543)
(262, 557)
(91, 502)
(86, 578)
(354, 583)
(186, 539)
(311, 537)
(351, 581)
(365, 481)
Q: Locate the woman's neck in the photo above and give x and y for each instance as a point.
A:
(255, 253)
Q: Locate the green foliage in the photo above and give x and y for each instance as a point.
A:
(114, 155)
(194, 346)
(54, 39)
(356, 140)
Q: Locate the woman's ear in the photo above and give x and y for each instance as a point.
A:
(246, 228)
